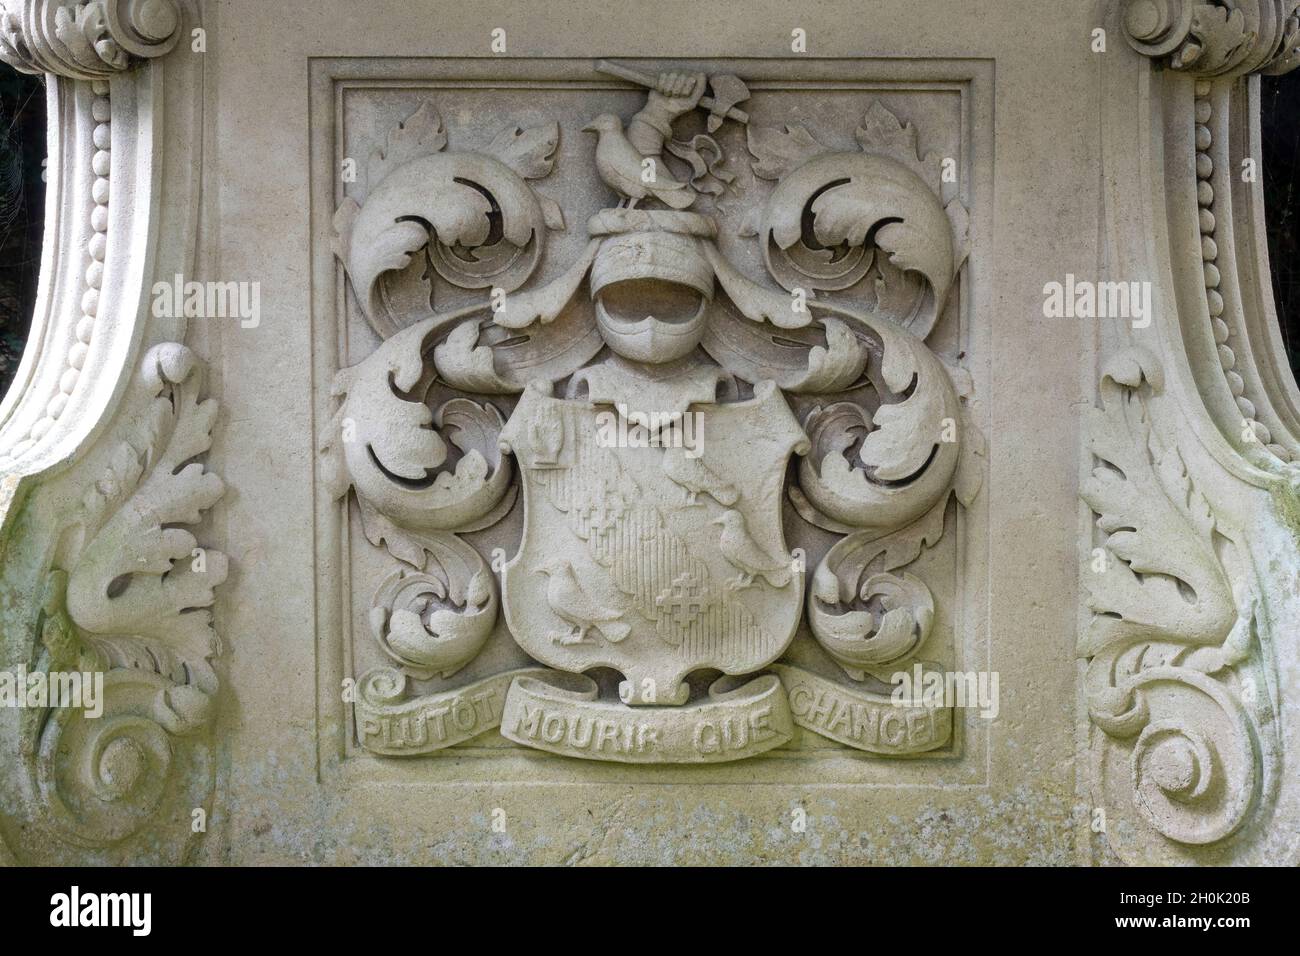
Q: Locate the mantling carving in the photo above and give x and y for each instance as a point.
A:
(650, 556)
(479, 223)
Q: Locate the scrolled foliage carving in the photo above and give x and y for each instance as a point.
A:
(1173, 657)
(128, 603)
(86, 41)
(862, 254)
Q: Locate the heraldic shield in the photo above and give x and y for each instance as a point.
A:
(643, 378)
(654, 548)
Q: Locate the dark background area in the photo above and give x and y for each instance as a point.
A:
(22, 210)
(1280, 128)
(22, 199)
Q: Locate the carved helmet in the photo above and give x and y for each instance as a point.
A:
(652, 287)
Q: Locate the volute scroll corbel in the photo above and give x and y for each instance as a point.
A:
(86, 41)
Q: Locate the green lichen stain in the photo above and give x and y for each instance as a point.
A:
(1286, 502)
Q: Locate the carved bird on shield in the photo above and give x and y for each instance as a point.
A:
(574, 606)
(697, 478)
(744, 553)
(620, 165)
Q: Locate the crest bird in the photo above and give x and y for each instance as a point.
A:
(619, 164)
(697, 478)
(574, 606)
(744, 553)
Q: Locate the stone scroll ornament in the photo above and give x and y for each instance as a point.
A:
(652, 409)
(1183, 684)
(85, 39)
(1175, 685)
(127, 599)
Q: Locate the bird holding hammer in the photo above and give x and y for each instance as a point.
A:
(630, 160)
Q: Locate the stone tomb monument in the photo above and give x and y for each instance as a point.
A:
(501, 433)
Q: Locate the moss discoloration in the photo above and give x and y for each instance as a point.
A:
(1286, 503)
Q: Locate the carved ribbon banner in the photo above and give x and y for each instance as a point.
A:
(539, 710)
(863, 719)
(392, 726)
(561, 714)
(645, 402)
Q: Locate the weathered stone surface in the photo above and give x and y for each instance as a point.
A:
(506, 436)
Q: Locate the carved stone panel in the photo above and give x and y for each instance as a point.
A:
(573, 439)
(653, 428)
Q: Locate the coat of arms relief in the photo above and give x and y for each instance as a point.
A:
(694, 392)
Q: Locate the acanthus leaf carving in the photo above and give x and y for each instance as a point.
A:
(387, 444)
(1171, 648)
(886, 468)
(883, 132)
(1168, 579)
(129, 601)
(529, 152)
(420, 134)
(882, 478)
(473, 214)
(614, 569)
(545, 303)
(850, 196)
(817, 229)
(85, 40)
(136, 574)
(1219, 38)
(872, 637)
(832, 213)
(395, 452)
(780, 150)
(423, 626)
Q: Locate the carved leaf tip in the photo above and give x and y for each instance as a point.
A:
(780, 149)
(420, 134)
(880, 128)
(1132, 367)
